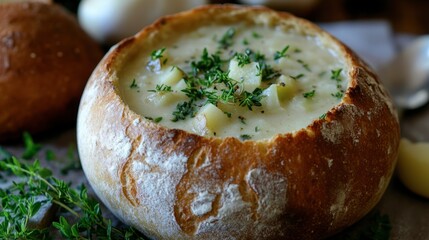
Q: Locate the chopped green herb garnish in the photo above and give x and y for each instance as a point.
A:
(183, 110)
(323, 116)
(242, 59)
(266, 72)
(297, 50)
(207, 64)
(338, 95)
(228, 114)
(226, 40)
(281, 54)
(304, 65)
(296, 77)
(256, 35)
(195, 93)
(245, 42)
(257, 129)
(134, 84)
(157, 54)
(244, 137)
(161, 89)
(249, 100)
(155, 120)
(158, 119)
(256, 57)
(227, 95)
(335, 74)
(242, 119)
(309, 94)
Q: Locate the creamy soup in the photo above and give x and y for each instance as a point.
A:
(249, 83)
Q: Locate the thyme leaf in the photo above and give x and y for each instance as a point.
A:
(227, 39)
(281, 54)
(309, 94)
(335, 74)
(183, 110)
(249, 100)
(161, 89)
(157, 54)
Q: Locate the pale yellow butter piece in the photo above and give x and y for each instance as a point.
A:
(413, 166)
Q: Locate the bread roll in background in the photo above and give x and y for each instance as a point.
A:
(45, 62)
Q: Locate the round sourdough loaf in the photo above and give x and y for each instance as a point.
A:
(174, 184)
(45, 62)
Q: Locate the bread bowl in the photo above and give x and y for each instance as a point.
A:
(45, 61)
(183, 176)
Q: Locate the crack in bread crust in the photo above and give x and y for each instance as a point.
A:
(129, 184)
(255, 191)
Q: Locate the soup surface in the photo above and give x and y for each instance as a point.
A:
(246, 82)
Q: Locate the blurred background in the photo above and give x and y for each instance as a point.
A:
(409, 16)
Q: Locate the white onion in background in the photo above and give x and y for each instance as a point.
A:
(109, 21)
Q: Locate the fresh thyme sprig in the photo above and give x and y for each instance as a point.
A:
(207, 82)
(207, 63)
(183, 110)
(35, 186)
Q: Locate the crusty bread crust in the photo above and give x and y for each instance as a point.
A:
(172, 184)
(45, 62)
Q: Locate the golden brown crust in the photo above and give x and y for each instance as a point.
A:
(172, 184)
(45, 61)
